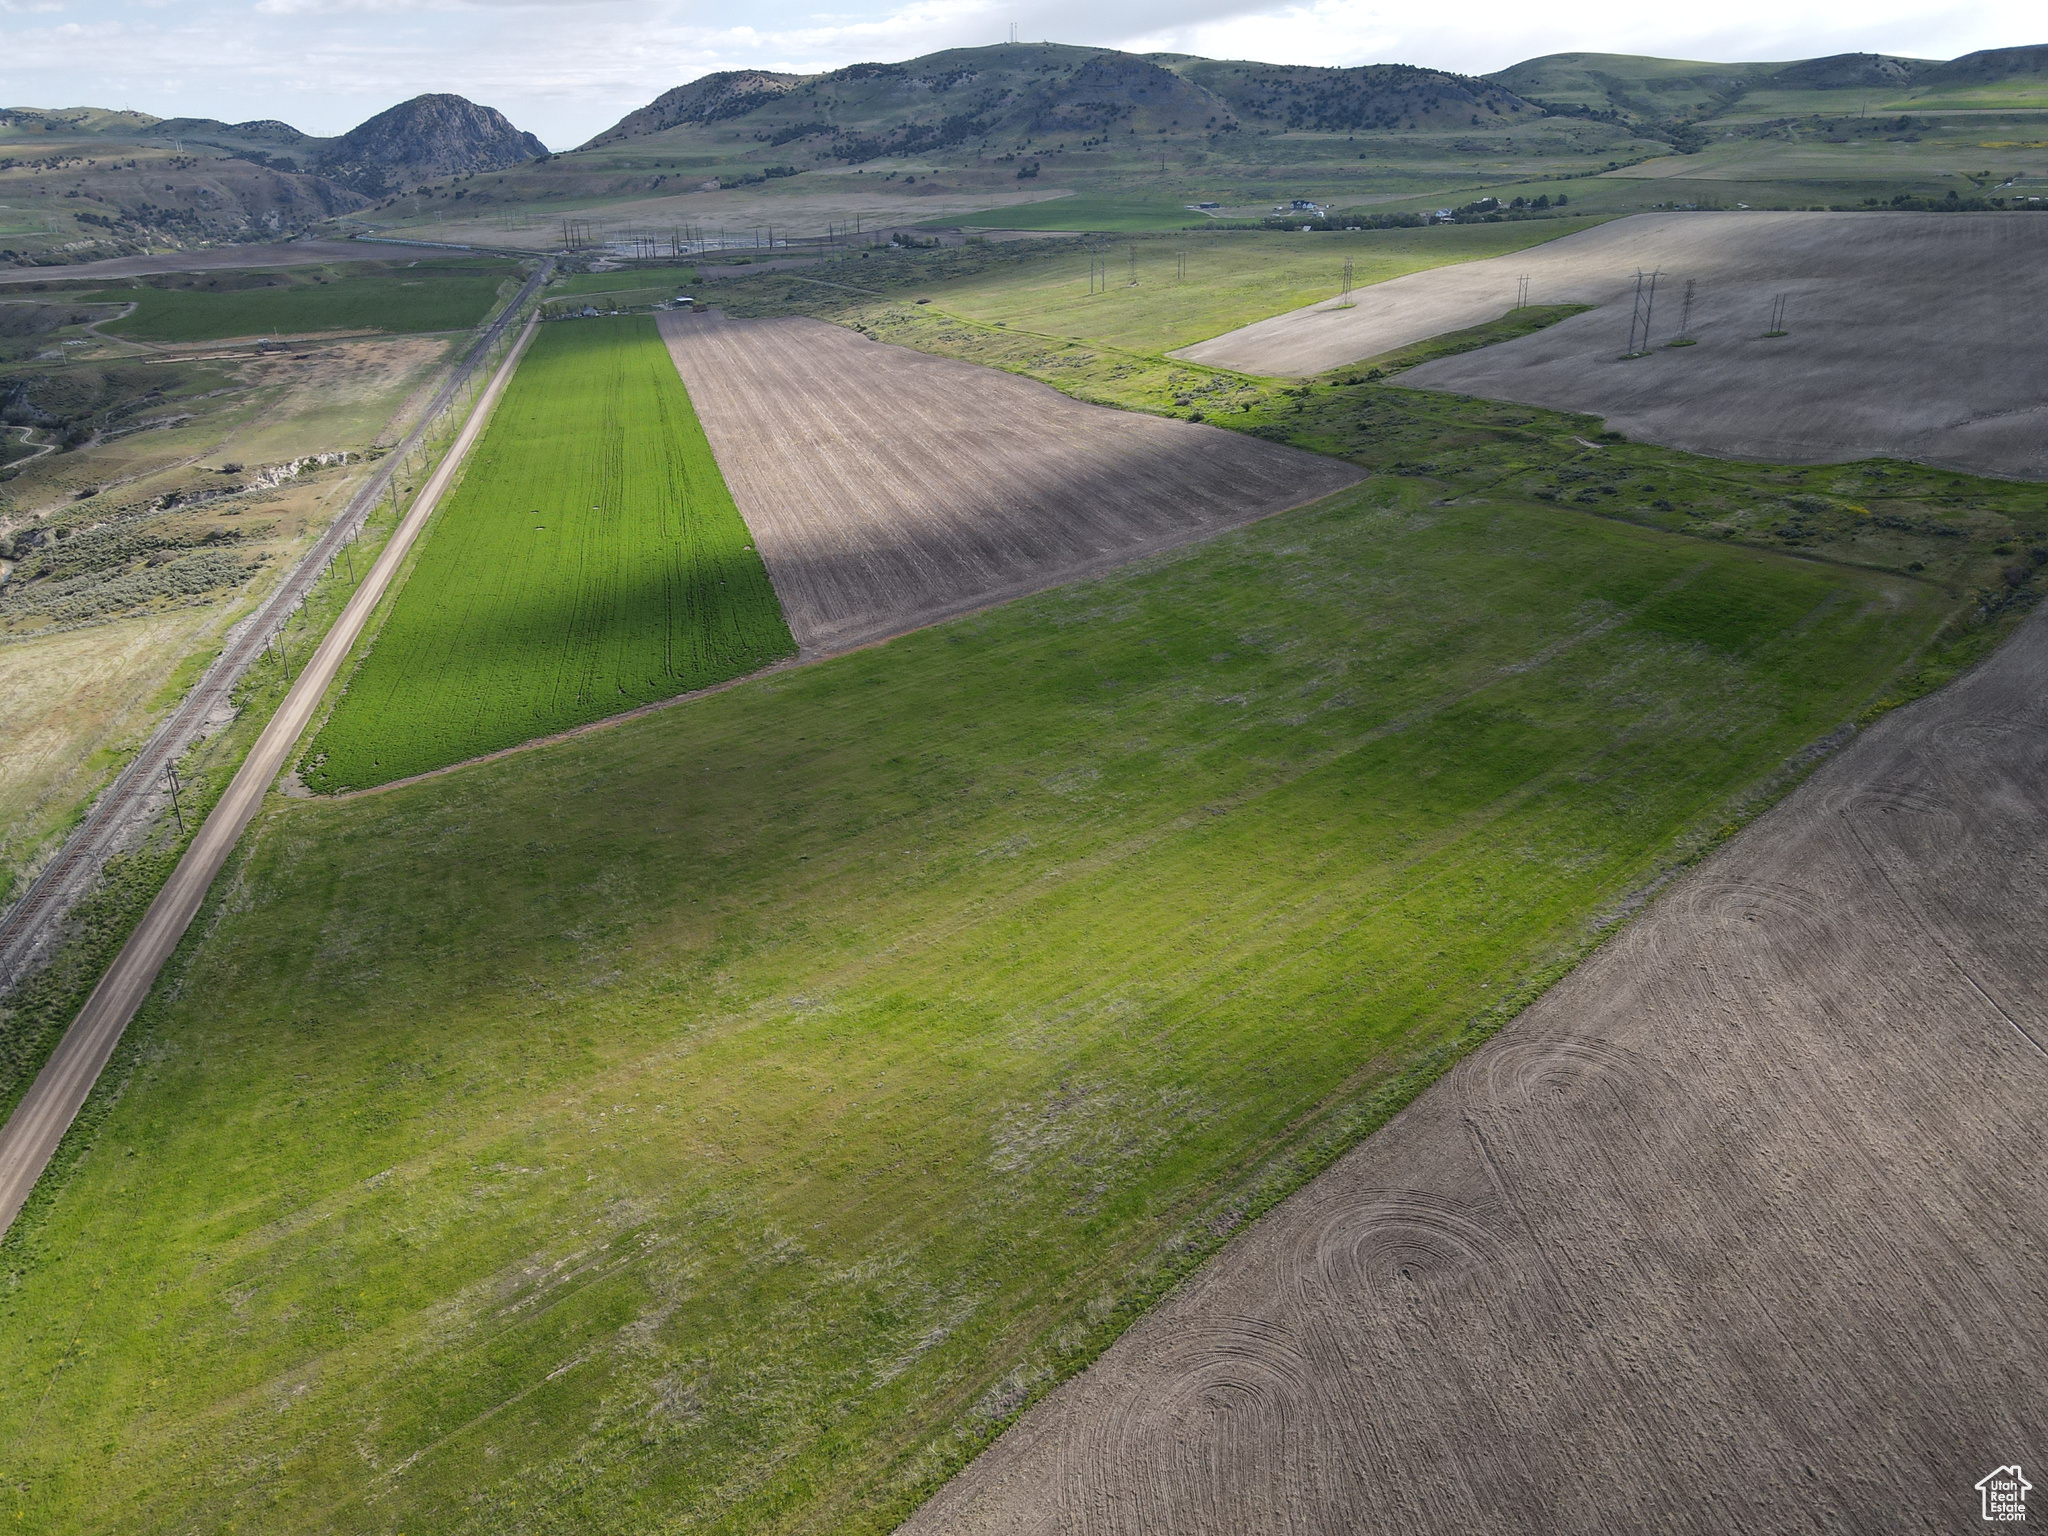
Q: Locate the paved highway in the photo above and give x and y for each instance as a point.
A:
(31, 1136)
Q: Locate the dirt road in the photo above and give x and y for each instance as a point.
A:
(31, 1136)
(1902, 341)
(1741, 1228)
(888, 489)
(30, 926)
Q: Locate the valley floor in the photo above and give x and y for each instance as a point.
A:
(1756, 1191)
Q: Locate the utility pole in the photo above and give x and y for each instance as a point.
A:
(1347, 280)
(1134, 263)
(177, 810)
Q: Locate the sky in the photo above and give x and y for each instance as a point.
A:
(567, 69)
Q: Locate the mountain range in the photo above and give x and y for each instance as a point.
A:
(1027, 92)
(107, 182)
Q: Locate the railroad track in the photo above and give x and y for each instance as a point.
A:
(29, 926)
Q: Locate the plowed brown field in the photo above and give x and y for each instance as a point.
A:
(1742, 1228)
(888, 489)
(1902, 341)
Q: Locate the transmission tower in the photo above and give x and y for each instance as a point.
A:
(1639, 316)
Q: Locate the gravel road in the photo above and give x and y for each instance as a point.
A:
(31, 1136)
(31, 925)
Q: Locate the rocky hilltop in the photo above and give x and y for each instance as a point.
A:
(426, 139)
(1027, 90)
(422, 140)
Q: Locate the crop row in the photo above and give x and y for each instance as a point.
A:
(590, 561)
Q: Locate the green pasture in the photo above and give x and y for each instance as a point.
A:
(636, 288)
(436, 297)
(662, 280)
(1086, 211)
(1195, 286)
(590, 560)
(2019, 93)
(726, 1121)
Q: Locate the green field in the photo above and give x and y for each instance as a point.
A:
(1107, 212)
(726, 1121)
(590, 560)
(1187, 287)
(661, 280)
(434, 296)
(637, 288)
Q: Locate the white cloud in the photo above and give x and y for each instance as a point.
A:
(410, 7)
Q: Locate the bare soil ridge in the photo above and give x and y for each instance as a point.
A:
(1740, 1228)
(888, 489)
(1903, 335)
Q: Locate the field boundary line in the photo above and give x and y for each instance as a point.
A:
(1094, 572)
(32, 1134)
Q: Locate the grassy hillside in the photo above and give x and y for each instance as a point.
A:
(81, 184)
(1030, 91)
(1670, 91)
(178, 491)
(968, 130)
(727, 1121)
(434, 295)
(591, 560)
(966, 134)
